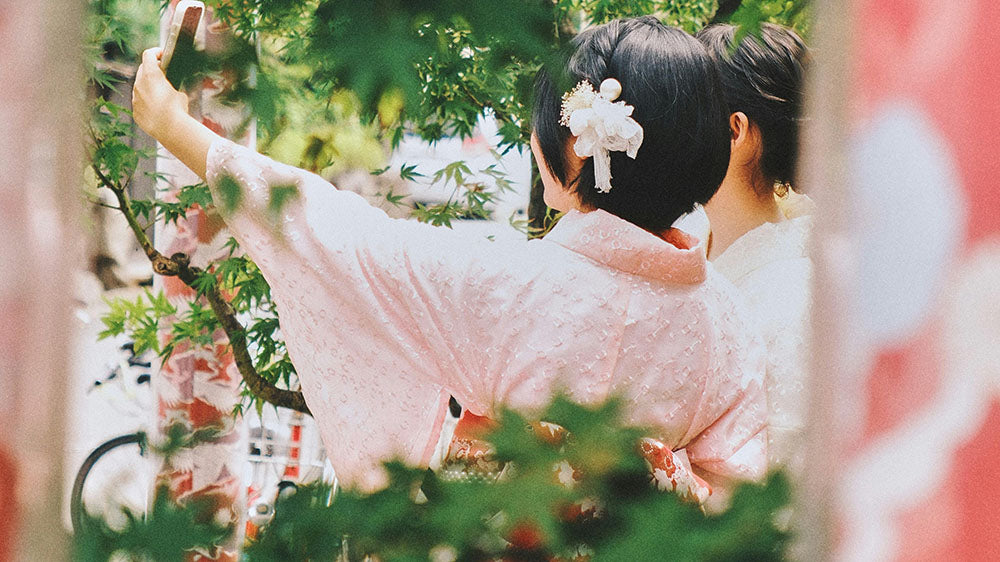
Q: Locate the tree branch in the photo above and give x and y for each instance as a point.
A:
(178, 265)
(125, 206)
(258, 385)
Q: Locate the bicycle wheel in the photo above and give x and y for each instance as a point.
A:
(76, 507)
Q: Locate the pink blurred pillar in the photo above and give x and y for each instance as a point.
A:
(824, 176)
(40, 174)
(198, 387)
(909, 384)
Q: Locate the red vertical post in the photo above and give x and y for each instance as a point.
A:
(912, 370)
(293, 467)
(199, 386)
(40, 159)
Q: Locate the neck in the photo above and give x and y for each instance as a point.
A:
(738, 208)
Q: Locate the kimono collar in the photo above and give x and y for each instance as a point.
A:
(769, 243)
(674, 256)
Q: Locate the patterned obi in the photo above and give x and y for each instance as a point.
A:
(470, 458)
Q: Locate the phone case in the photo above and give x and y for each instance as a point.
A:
(180, 38)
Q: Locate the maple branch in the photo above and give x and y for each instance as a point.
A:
(178, 265)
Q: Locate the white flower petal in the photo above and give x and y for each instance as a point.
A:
(601, 127)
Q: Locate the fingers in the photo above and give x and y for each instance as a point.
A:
(150, 61)
(149, 71)
(152, 55)
(150, 64)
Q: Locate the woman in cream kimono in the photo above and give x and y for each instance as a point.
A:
(759, 225)
(385, 318)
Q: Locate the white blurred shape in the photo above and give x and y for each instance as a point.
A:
(909, 211)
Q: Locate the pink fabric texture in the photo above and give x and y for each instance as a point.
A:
(384, 318)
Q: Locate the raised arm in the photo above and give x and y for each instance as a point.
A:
(368, 408)
(379, 269)
(162, 112)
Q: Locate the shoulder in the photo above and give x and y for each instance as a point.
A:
(769, 247)
(467, 258)
(727, 300)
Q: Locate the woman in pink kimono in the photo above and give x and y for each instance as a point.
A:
(385, 318)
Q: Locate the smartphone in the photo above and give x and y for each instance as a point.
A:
(178, 58)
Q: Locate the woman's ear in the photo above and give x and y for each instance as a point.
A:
(739, 128)
(745, 139)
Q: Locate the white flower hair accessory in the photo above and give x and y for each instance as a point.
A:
(600, 125)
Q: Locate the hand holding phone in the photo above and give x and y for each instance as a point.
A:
(177, 60)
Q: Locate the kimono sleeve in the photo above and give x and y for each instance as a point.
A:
(390, 311)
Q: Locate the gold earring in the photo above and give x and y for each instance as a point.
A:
(781, 188)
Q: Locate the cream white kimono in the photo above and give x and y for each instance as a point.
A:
(772, 269)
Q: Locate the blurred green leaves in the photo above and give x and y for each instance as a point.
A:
(432, 67)
(752, 13)
(117, 30)
(527, 514)
(166, 533)
(524, 515)
(374, 49)
(230, 194)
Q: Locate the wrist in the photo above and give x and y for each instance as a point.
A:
(187, 139)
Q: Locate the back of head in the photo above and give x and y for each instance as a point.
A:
(670, 80)
(762, 77)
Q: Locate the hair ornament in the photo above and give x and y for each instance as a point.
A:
(601, 125)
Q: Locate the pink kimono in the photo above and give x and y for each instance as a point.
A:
(384, 318)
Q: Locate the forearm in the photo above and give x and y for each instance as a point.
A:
(188, 140)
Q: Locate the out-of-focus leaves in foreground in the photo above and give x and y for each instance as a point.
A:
(523, 516)
(166, 533)
(527, 514)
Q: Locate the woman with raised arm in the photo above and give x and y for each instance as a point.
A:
(759, 225)
(385, 318)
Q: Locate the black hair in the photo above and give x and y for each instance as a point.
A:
(762, 77)
(670, 80)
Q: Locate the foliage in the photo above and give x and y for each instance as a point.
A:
(115, 29)
(165, 533)
(752, 13)
(523, 516)
(140, 318)
(432, 68)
